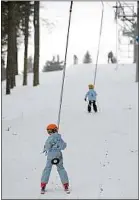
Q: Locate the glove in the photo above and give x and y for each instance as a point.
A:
(45, 152)
(85, 99)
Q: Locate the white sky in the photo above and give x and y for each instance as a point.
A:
(84, 31)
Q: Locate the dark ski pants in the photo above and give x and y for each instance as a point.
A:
(94, 106)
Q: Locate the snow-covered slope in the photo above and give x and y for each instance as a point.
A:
(102, 153)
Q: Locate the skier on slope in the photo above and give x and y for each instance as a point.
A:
(110, 56)
(52, 148)
(91, 95)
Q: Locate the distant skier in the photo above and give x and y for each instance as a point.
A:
(137, 39)
(75, 60)
(110, 56)
(91, 95)
(52, 148)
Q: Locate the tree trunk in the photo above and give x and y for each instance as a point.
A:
(16, 57)
(26, 35)
(12, 9)
(10, 62)
(8, 71)
(36, 43)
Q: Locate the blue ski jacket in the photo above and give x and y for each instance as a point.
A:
(53, 146)
(91, 95)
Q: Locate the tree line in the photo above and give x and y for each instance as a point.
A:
(16, 18)
(56, 64)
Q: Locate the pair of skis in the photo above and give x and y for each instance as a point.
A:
(44, 191)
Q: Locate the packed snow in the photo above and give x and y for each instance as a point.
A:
(101, 157)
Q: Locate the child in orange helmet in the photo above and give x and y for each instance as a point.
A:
(52, 148)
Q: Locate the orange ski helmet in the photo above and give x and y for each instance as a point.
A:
(52, 128)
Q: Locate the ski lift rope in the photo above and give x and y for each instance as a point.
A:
(101, 24)
(64, 69)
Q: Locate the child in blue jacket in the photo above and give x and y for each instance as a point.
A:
(91, 95)
(52, 148)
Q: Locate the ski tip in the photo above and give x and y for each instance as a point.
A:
(67, 191)
(43, 192)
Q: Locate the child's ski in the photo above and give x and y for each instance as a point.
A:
(67, 191)
(43, 191)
